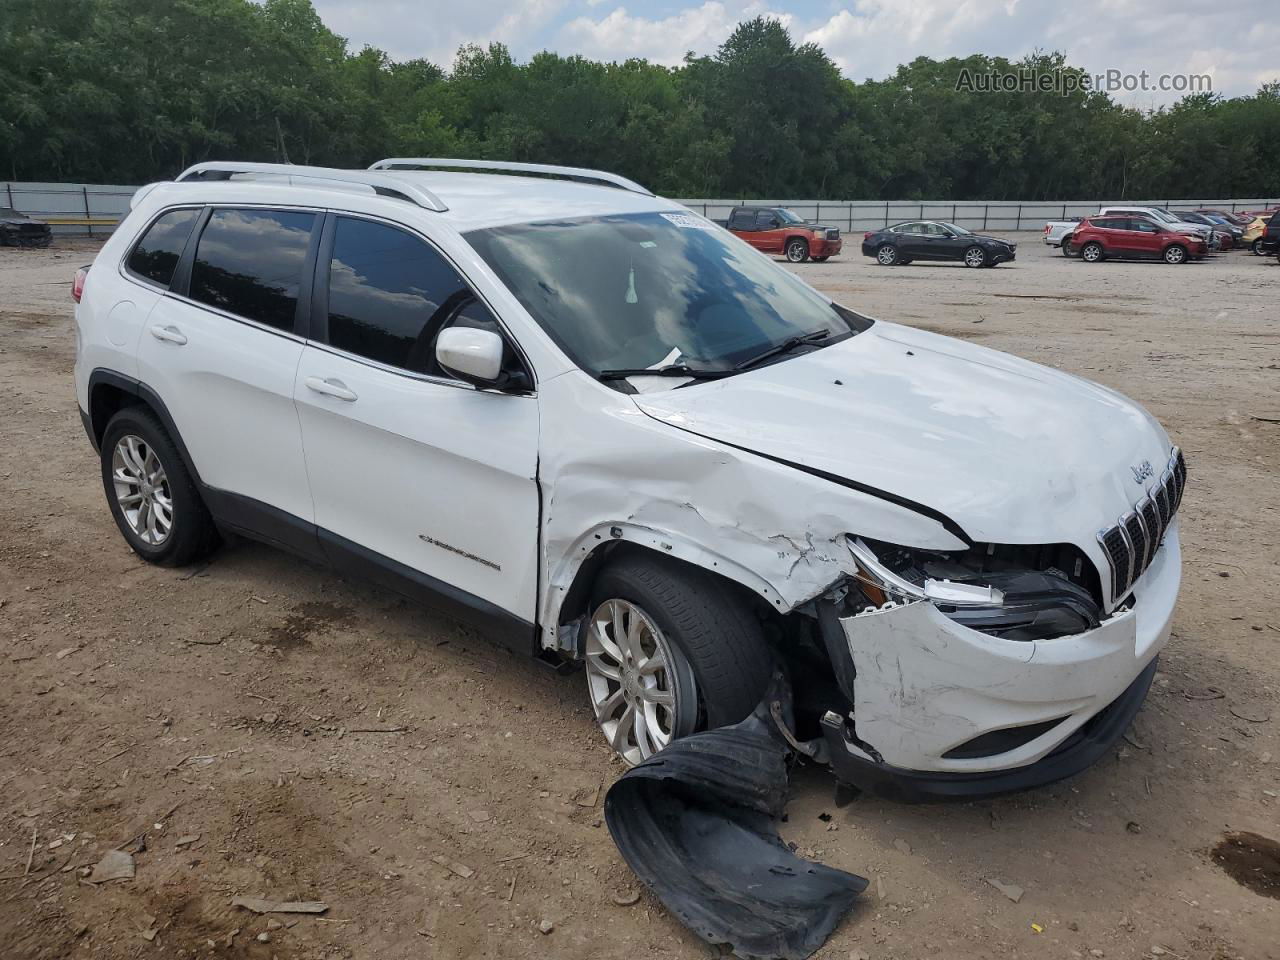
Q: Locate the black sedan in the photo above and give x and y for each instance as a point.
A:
(19, 230)
(935, 240)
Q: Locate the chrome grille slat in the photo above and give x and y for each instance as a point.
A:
(1131, 545)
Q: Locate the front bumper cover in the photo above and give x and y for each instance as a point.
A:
(925, 688)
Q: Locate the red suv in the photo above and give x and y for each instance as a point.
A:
(1132, 238)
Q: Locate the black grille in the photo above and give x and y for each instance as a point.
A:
(1132, 543)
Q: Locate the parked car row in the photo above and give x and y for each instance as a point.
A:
(1219, 229)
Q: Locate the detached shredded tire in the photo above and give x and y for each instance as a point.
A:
(697, 824)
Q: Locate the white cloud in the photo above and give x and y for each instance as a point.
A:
(619, 34)
(435, 29)
(1232, 42)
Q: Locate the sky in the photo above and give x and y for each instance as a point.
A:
(1234, 43)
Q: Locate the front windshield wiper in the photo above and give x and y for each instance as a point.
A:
(786, 345)
(670, 370)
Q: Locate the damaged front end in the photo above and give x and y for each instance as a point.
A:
(988, 671)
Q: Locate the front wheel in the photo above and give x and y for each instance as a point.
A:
(1175, 253)
(887, 255)
(797, 251)
(669, 649)
(1091, 252)
(975, 256)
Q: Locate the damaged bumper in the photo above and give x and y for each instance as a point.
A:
(943, 710)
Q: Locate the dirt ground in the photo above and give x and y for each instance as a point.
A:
(218, 711)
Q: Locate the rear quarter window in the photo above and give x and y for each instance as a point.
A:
(249, 262)
(156, 254)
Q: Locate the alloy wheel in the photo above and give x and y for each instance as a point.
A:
(1092, 253)
(887, 255)
(796, 251)
(1175, 255)
(974, 257)
(142, 490)
(642, 692)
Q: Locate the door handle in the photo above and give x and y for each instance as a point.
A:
(331, 387)
(169, 334)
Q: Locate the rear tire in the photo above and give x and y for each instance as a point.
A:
(797, 250)
(1066, 246)
(152, 496)
(708, 625)
(1256, 247)
(887, 255)
(1092, 252)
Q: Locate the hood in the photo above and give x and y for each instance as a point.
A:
(1011, 451)
(983, 236)
(814, 226)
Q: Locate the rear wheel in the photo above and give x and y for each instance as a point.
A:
(152, 496)
(975, 256)
(1066, 246)
(669, 649)
(797, 250)
(1256, 247)
(887, 255)
(1091, 252)
(1175, 253)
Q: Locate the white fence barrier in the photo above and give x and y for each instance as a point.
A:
(95, 208)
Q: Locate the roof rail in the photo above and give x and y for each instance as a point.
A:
(303, 176)
(503, 166)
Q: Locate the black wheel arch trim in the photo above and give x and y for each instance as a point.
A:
(134, 387)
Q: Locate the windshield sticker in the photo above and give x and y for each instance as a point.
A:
(687, 221)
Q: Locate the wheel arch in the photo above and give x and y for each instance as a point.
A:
(110, 392)
(569, 587)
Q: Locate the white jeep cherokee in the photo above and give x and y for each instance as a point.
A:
(607, 431)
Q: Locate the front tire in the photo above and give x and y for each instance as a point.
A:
(669, 649)
(1092, 252)
(975, 256)
(797, 250)
(1175, 253)
(153, 497)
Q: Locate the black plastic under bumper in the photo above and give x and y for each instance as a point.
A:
(1079, 751)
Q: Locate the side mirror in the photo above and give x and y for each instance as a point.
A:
(470, 354)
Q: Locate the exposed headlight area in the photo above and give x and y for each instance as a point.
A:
(1015, 592)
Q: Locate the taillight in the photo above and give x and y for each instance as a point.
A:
(77, 285)
(1046, 228)
(867, 235)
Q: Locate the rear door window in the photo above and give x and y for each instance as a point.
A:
(249, 262)
(156, 254)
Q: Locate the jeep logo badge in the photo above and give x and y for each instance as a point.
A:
(1143, 471)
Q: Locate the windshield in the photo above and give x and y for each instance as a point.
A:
(958, 231)
(654, 289)
(789, 216)
(1164, 215)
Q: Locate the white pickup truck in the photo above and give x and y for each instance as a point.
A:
(1055, 230)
